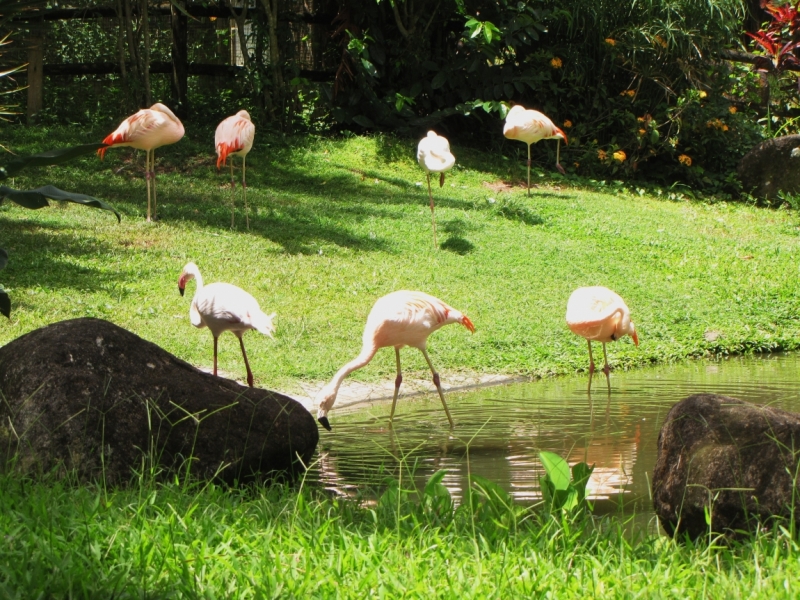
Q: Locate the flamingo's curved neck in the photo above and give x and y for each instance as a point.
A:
(367, 352)
(197, 278)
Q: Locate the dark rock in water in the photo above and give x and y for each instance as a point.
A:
(88, 396)
(771, 166)
(737, 460)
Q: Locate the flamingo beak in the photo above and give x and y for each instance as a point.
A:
(468, 324)
(441, 179)
(325, 423)
(635, 338)
(180, 289)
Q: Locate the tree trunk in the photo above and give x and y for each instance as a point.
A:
(146, 62)
(273, 99)
(180, 65)
(121, 46)
(35, 77)
(136, 65)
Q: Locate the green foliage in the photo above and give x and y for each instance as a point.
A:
(558, 490)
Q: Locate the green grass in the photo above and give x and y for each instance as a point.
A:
(176, 541)
(337, 223)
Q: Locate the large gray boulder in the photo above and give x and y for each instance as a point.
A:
(87, 396)
(737, 460)
(771, 167)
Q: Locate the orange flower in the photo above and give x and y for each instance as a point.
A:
(611, 41)
(556, 63)
(732, 110)
(685, 160)
(577, 164)
(629, 93)
(660, 41)
(642, 132)
(724, 128)
(703, 94)
(619, 156)
(602, 155)
(567, 124)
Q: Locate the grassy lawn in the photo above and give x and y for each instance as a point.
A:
(338, 223)
(172, 541)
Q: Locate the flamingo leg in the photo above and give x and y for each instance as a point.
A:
(438, 385)
(529, 169)
(246, 363)
(606, 368)
(591, 365)
(233, 194)
(558, 158)
(215, 356)
(398, 380)
(433, 216)
(244, 191)
(153, 175)
(147, 180)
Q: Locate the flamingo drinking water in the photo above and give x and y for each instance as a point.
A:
(596, 313)
(398, 319)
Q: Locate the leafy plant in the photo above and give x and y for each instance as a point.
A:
(558, 490)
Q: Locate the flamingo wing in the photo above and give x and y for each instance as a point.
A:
(594, 312)
(234, 135)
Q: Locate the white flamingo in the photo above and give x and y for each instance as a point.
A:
(530, 126)
(224, 307)
(398, 319)
(433, 155)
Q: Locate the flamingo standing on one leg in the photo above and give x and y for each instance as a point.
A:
(433, 155)
(148, 129)
(596, 313)
(234, 137)
(530, 126)
(398, 319)
(225, 307)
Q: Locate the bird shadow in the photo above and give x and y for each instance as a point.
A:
(457, 245)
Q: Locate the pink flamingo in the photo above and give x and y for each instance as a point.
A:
(398, 319)
(148, 129)
(596, 313)
(234, 137)
(433, 155)
(530, 126)
(224, 307)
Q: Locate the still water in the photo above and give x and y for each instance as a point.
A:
(500, 430)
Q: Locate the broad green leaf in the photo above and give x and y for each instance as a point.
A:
(434, 481)
(51, 157)
(38, 198)
(369, 67)
(439, 79)
(557, 469)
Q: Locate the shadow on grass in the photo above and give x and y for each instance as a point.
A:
(458, 245)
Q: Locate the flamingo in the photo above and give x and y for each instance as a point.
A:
(224, 307)
(398, 319)
(148, 129)
(530, 126)
(433, 155)
(234, 137)
(596, 313)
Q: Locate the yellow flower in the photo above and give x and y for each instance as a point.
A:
(629, 93)
(577, 164)
(601, 154)
(724, 128)
(619, 156)
(611, 41)
(556, 63)
(567, 124)
(732, 110)
(703, 94)
(660, 41)
(685, 160)
(642, 132)
(640, 119)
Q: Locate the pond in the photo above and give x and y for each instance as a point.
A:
(500, 430)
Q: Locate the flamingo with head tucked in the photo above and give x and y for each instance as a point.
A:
(433, 155)
(234, 137)
(530, 126)
(224, 307)
(596, 313)
(148, 129)
(398, 319)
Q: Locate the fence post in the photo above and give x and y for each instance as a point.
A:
(35, 77)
